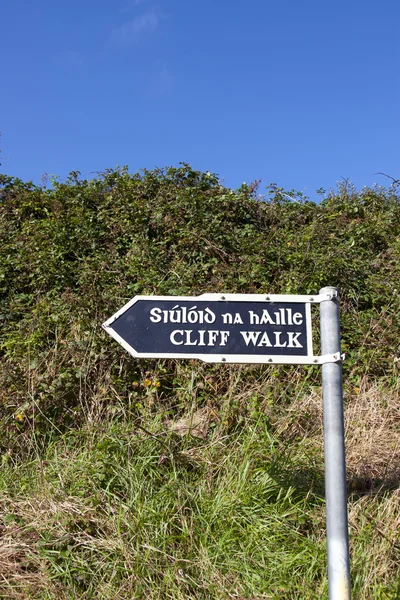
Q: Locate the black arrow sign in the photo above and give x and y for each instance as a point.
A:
(214, 328)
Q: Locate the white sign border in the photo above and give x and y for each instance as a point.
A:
(309, 359)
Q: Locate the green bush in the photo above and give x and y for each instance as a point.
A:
(74, 253)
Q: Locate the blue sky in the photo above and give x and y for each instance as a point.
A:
(296, 92)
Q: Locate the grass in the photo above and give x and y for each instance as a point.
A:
(229, 507)
(123, 478)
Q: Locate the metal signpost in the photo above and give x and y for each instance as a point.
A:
(335, 460)
(262, 329)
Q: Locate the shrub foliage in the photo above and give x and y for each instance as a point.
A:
(74, 253)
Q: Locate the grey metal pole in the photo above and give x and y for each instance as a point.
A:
(335, 461)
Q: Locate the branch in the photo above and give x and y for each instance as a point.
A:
(395, 181)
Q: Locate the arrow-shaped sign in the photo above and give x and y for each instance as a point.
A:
(234, 328)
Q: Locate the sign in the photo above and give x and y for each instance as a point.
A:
(234, 328)
(241, 328)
